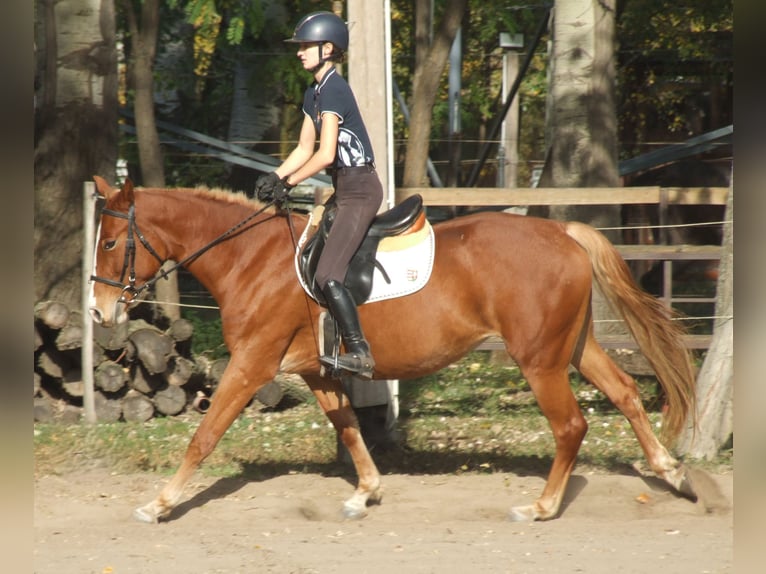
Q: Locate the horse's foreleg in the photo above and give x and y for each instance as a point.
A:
(620, 388)
(558, 404)
(329, 394)
(231, 396)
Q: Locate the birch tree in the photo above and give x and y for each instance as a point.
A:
(715, 382)
(75, 132)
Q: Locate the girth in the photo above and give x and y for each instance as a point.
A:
(404, 218)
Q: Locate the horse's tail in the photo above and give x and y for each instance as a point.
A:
(649, 321)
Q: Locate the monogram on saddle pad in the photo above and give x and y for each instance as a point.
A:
(395, 258)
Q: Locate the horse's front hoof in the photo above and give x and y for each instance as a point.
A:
(522, 514)
(354, 511)
(146, 514)
(356, 507)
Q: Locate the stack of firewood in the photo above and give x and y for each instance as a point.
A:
(141, 370)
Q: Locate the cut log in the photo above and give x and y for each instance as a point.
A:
(108, 407)
(136, 407)
(69, 414)
(295, 391)
(53, 362)
(143, 381)
(70, 337)
(285, 391)
(179, 371)
(182, 331)
(198, 380)
(170, 400)
(73, 384)
(216, 371)
(270, 395)
(111, 338)
(153, 349)
(38, 338)
(43, 409)
(110, 376)
(52, 314)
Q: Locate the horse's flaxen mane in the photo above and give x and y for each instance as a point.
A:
(218, 194)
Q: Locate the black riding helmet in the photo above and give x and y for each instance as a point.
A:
(321, 27)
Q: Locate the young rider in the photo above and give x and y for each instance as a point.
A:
(331, 114)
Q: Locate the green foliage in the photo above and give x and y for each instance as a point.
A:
(481, 97)
(674, 61)
(675, 69)
(208, 335)
(235, 31)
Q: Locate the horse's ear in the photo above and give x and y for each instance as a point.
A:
(127, 191)
(103, 188)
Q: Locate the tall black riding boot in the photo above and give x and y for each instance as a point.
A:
(357, 358)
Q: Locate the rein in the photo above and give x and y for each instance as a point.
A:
(129, 261)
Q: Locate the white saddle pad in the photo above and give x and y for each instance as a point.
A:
(407, 261)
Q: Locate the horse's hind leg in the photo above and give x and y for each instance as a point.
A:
(329, 394)
(558, 404)
(620, 388)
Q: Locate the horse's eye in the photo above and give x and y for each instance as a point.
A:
(109, 244)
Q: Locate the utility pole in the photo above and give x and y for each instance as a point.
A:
(509, 132)
(369, 75)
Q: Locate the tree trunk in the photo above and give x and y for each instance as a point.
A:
(75, 103)
(425, 85)
(715, 382)
(144, 31)
(581, 122)
(581, 125)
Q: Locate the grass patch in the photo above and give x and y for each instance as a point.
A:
(474, 416)
(301, 436)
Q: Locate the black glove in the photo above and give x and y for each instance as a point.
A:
(269, 187)
(281, 192)
(264, 186)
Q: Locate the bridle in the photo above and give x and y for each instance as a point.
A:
(129, 291)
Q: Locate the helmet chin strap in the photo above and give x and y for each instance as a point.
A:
(322, 59)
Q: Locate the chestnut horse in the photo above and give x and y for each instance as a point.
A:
(524, 279)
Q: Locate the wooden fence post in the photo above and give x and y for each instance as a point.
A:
(88, 213)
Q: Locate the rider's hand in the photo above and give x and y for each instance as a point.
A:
(270, 187)
(281, 192)
(265, 185)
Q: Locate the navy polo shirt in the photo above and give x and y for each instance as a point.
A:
(333, 95)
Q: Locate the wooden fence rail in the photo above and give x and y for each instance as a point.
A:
(486, 196)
